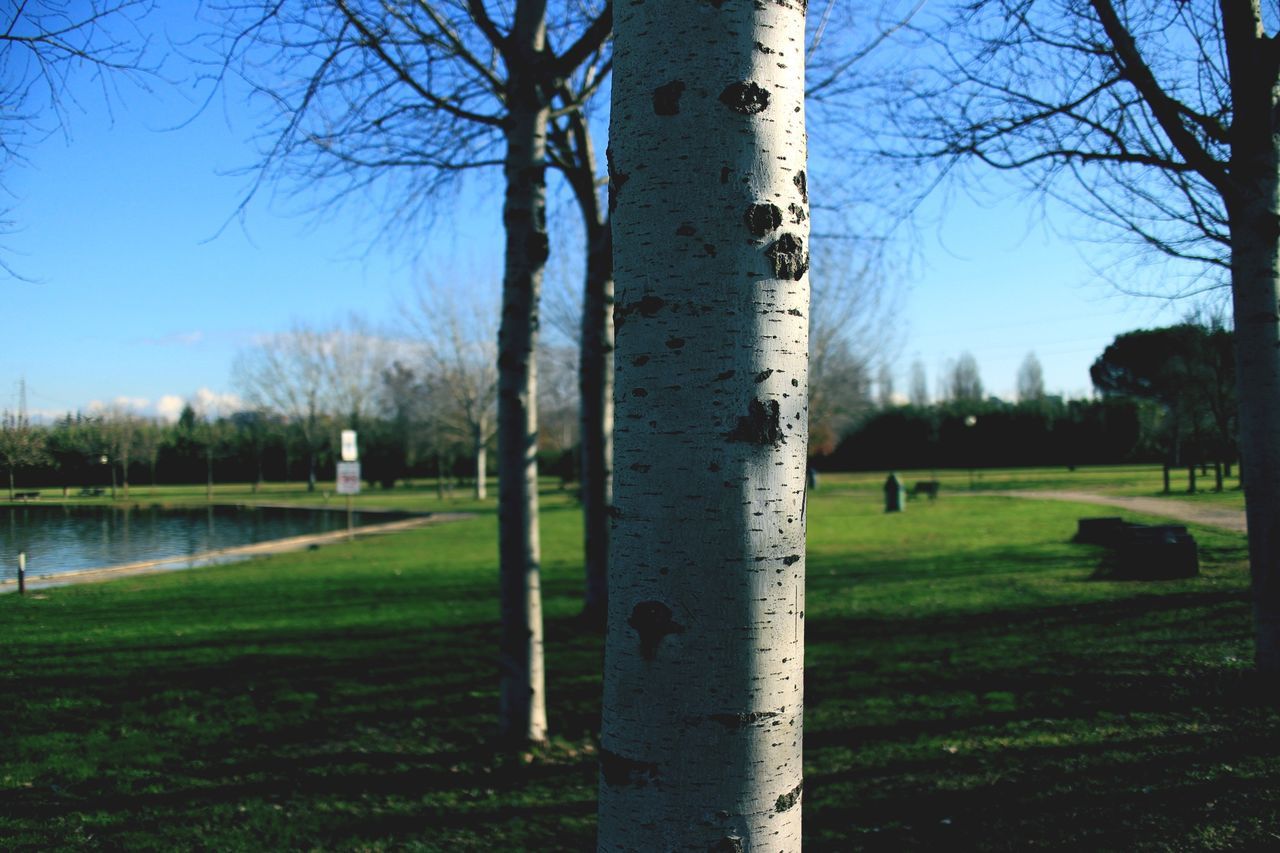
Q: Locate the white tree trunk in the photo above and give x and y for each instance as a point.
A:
(702, 713)
(478, 450)
(522, 709)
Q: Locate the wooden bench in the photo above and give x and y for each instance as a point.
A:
(925, 487)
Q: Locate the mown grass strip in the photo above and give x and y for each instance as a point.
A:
(968, 687)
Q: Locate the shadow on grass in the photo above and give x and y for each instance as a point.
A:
(376, 735)
(1124, 724)
(343, 715)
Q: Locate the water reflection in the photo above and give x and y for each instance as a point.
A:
(60, 539)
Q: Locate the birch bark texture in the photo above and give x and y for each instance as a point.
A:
(703, 685)
(522, 696)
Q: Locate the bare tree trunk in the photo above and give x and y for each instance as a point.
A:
(1217, 476)
(1191, 479)
(1253, 211)
(1256, 293)
(522, 711)
(595, 367)
(1165, 471)
(480, 456)
(596, 387)
(702, 711)
(11, 489)
(439, 475)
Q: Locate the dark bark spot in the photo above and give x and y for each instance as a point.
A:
(795, 383)
(613, 512)
(642, 360)
(709, 249)
(728, 844)
(763, 375)
(763, 218)
(733, 722)
(761, 425)
(716, 3)
(728, 374)
(616, 180)
(746, 98)
(802, 184)
(649, 306)
(798, 213)
(675, 343)
(666, 98)
(789, 259)
(652, 621)
(713, 467)
(619, 771)
(790, 798)
(763, 48)
(639, 392)
(641, 467)
(725, 172)
(795, 312)
(686, 230)
(791, 560)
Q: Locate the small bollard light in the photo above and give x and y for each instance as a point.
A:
(894, 494)
(22, 572)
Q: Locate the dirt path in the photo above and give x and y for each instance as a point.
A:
(1194, 513)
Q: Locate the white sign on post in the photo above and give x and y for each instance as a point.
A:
(348, 478)
(349, 453)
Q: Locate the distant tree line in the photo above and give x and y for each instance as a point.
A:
(1165, 395)
(414, 418)
(992, 433)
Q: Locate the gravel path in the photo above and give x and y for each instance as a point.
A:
(1195, 513)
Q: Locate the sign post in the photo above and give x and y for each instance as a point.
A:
(348, 475)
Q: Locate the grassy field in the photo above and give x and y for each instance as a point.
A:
(1127, 480)
(969, 686)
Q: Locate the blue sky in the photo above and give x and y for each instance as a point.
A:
(142, 295)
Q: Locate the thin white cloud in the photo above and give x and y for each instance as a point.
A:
(179, 339)
(169, 407)
(216, 403)
(133, 405)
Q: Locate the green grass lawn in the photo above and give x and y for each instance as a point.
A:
(1123, 480)
(968, 686)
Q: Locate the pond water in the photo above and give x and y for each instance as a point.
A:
(60, 539)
